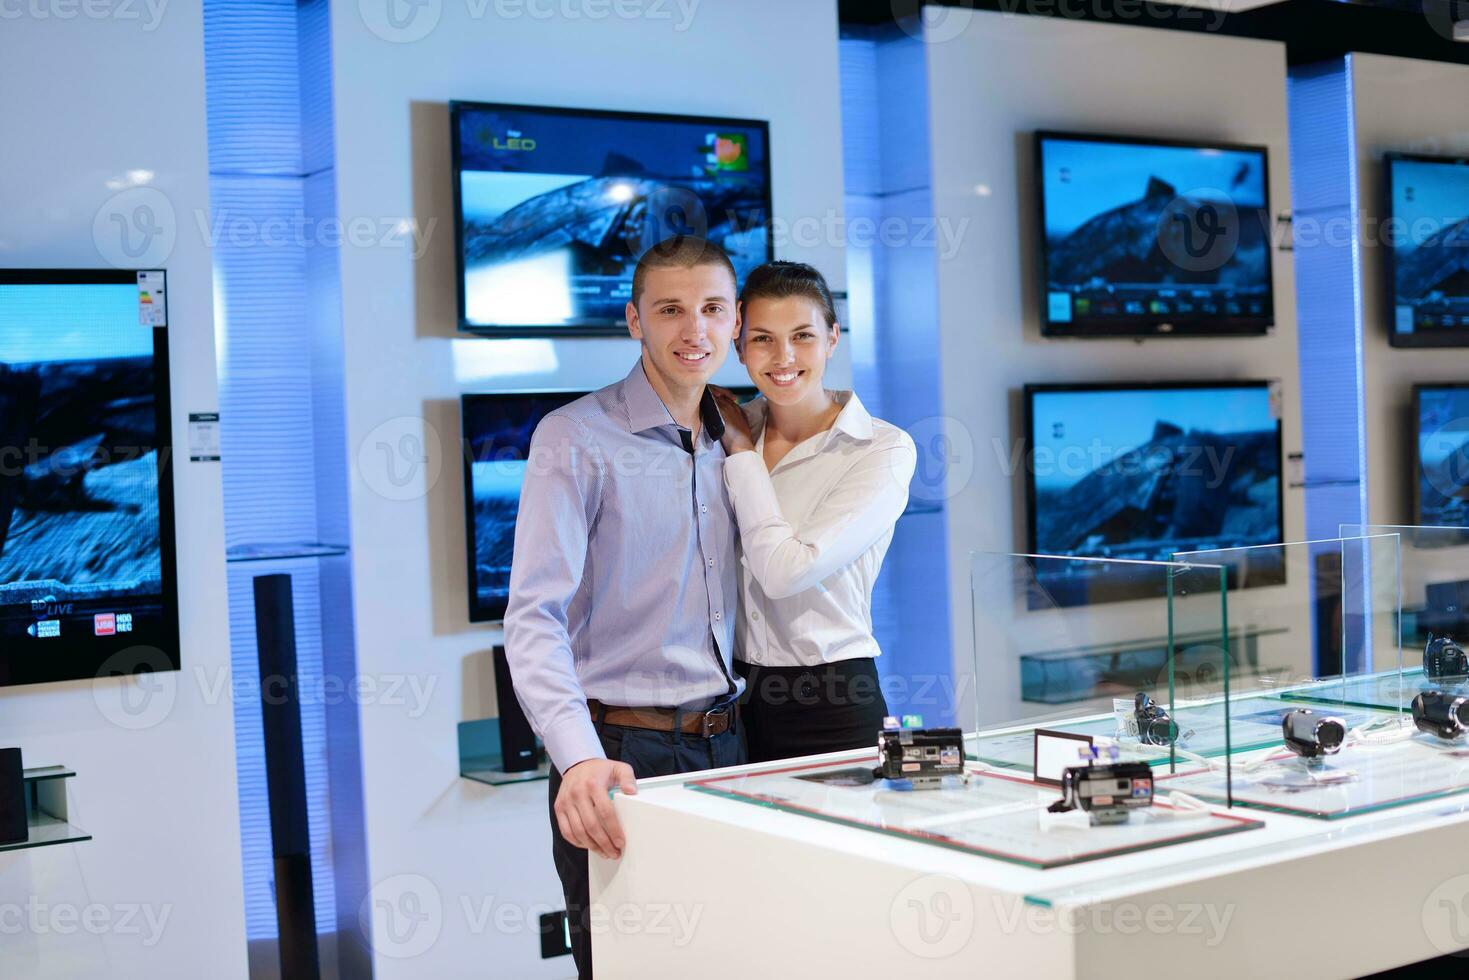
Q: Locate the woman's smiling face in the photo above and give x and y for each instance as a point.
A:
(785, 347)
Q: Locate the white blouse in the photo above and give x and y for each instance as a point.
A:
(813, 534)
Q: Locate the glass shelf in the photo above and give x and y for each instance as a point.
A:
(480, 757)
(278, 551)
(46, 830)
(46, 814)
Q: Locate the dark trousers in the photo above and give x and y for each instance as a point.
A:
(650, 754)
(791, 711)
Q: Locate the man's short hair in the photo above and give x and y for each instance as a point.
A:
(681, 252)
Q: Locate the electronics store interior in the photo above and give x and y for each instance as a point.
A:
(793, 488)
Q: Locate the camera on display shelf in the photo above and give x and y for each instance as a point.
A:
(1445, 716)
(922, 755)
(1311, 735)
(1154, 726)
(1444, 660)
(1108, 792)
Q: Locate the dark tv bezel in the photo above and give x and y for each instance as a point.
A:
(584, 329)
(1416, 439)
(91, 663)
(479, 613)
(1147, 324)
(1031, 390)
(1458, 336)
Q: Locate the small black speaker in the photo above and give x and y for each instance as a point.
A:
(12, 798)
(517, 740)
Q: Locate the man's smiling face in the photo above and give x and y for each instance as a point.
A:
(686, 320)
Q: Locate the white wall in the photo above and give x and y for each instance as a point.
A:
(1401, 105)
(88, 99)
(464, 848)
(992, 86)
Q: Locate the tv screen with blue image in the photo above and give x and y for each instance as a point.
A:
(87, 572)
(1145, 471)
(497, 430)
(1149, 238)
(1428, 238)
(554, 207)
(1441, 480)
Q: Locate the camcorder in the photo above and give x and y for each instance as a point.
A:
(1108, 793)
(923, 755)
(1445, 716)
(1311, 735)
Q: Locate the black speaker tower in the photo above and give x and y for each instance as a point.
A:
(518, 750)
(285, 775)
(13, 829)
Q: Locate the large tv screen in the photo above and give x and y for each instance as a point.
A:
(87, 574)
(1151, 238)
(553, 207)
(497, 429)
(1428, 241)
(1441, 465)
(1144, 471)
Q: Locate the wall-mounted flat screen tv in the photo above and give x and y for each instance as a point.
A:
(1145, 471)
(1428, 245)
(497, 431)
(1143, 238)
(553, 208)
(87, 576)
(1441, 455)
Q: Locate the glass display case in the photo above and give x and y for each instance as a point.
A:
(1132, 655)
(1336, 693)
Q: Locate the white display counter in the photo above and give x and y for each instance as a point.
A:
(717, 887)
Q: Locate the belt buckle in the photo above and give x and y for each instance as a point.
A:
(708, 722)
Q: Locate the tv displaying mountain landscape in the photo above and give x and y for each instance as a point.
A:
(1427, 238)
(1152, 238)
(1146, 471)
(87, 572)
(554, 207)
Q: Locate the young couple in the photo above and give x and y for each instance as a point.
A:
(692, 581)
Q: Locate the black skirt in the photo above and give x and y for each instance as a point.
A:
(792, 711)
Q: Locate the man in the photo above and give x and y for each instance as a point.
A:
(623, 588)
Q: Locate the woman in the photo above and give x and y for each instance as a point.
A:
(817, 485)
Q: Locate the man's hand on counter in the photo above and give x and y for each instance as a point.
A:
(584, 809)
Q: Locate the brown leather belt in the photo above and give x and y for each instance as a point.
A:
(705, 724)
